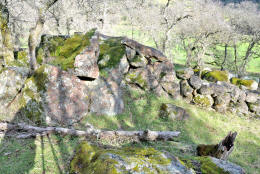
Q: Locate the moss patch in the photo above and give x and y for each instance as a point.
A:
(136, 78)
(64, 50)
(111, 52)
(215, 76)
(208, 167)
(202, 100)
(239, 82)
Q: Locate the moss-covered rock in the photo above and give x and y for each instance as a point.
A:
(138, 77)
(210, 165)
(250, 84)
(203, 100)
(61, 51)
(172, 112)
(96, 160)
(185, 73)
(215, 76)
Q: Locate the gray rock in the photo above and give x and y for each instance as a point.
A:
(252, 97)
(255, 107)
(186, 90)
(11, 82)
(173, 89)
(206, 90)
(228, 166)
(185, 73)
(172, 112)
(138, 61)
(195, 82)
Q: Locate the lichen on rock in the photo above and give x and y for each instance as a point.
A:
(97, 160)
(216, 75)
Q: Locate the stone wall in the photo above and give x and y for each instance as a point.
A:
(213, 89)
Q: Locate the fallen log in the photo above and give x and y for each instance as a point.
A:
(221, 150)
(33, 131)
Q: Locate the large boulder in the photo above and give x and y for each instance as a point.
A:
(96, 160)
(172, 112)
(51, 96)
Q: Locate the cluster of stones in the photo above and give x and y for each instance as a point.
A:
(221, 95)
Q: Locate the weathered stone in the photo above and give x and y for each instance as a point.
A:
(106, 97)
(186, 90)
(173, 89)
(11, 82)
(130, 53)
(164, 71)
(138, 61)
(185, 73)
(206, 90)
(252, 97)
(218, 90)
(203, 100)
(228, 166)
(240, 108)
(255, 107)
(221, 102)
(172, 112)
(86, 62)
(195, 82)
(146, 51)
(52, 96)
(96, 160)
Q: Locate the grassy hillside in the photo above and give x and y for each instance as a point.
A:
(52, 154)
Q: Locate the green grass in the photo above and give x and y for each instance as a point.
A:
(141, 112)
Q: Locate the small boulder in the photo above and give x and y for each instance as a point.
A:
(186, 90)
(185, 73)
(255, 107)
(195, 82)
(172, 112)
(206, 90)
(249, 84)
(228, 166)
(173, 89)
(252, 97)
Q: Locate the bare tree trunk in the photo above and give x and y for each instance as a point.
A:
(221, 150)
(225, 58)
(35, 34)
(235, 54)
(247, 55)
